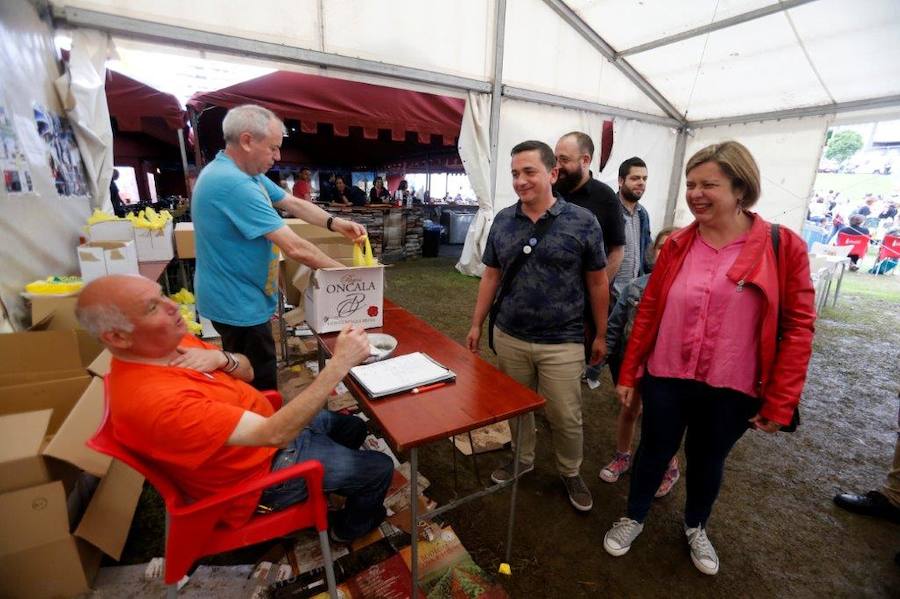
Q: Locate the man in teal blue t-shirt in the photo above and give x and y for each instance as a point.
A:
(238, 234)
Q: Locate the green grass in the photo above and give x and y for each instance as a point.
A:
(434, 290)
(856, 186)
(882, 287)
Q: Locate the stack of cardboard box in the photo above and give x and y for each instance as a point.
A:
(62, 505)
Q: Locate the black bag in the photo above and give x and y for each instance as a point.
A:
(776, 242)
(537, 232)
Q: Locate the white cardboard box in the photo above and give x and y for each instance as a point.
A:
(111, 230)
(100, 258)
(339, 296)
(154, 245)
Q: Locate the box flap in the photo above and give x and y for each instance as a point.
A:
(40, 351)
(68, 444)
(22, 378)
(100, 365)
(21, 434)
(88, 347)
(62, 309)
(24, 473)
(107, 520)
(33, 516)
(59, 395)
(63, 568)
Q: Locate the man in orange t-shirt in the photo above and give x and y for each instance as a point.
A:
(187, 406)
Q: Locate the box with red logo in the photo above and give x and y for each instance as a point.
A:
(339, 296)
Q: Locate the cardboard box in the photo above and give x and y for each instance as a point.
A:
(49, 407)
(61, 309)
(111, 230)
(349, 295)
(100, 258)
(184, 240)
(333, 244)
(154, 245)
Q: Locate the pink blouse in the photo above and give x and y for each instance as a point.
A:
(709, 330)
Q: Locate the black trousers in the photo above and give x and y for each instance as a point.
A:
(258, 345)
(714, 420)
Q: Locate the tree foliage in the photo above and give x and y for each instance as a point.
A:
(843, 145)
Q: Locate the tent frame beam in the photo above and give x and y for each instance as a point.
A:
(229, 44)
(527, 95)
(675, 177)
(793, 113)
(497, 89)
(765, 11)
(601, 45)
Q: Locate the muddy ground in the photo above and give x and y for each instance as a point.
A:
(775, 527)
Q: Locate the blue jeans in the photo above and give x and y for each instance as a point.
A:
(363, 477)
(714, 420)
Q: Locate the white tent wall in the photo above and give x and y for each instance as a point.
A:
(40, 228)
(787, 153)
(82, 90)
(655, 144)
(772, 56)
(474, 145)
(521, 121)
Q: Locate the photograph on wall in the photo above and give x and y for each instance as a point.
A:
(63, 156)
(16, 176)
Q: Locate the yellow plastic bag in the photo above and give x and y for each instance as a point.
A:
(183, 297)
(99, 216)
(362, 254)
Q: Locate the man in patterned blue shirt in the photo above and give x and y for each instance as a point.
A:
(539, 330)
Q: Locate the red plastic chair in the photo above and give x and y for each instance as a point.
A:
(195, 530)
(890, 248)
(860, 243)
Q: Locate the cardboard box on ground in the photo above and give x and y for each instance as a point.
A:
(55, 517)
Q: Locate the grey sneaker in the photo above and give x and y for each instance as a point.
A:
(619, 538)
(504, 473)
(702, 552)
(579, 494)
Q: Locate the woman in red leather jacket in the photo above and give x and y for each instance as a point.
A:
(720, 344)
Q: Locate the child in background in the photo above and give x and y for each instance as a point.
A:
(617, 332)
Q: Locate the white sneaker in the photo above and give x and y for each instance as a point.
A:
(619, 538)
(703, 554)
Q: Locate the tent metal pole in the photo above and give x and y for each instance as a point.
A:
(184, 162)
(518, 93)
(675, 177)
(194, 117)
(229, 44)
(765, 11)
(793, 113)
(593, 38)
(497, 89)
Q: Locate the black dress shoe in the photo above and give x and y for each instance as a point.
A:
(872, 503)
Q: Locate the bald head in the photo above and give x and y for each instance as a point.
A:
(129, 314)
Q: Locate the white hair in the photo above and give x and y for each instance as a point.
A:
(249, 118)
(99, 319)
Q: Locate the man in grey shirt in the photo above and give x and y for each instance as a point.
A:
(636, 259)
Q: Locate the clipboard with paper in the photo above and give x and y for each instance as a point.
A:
(399, 374)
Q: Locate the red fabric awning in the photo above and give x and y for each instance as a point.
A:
(130, 100)
(312, 100)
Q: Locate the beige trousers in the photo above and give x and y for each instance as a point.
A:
(554, 371)
(891, 487)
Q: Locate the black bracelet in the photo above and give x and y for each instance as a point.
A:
(329, 222)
